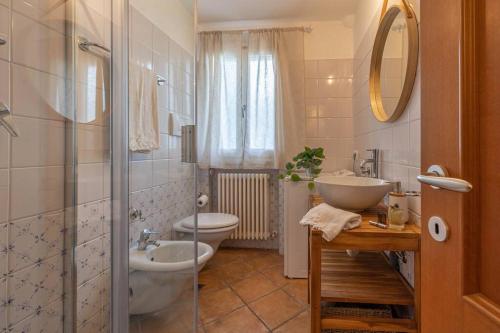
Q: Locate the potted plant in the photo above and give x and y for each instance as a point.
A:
(309, 160)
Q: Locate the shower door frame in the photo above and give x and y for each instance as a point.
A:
(119, 167)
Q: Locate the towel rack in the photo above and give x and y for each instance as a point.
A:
(4, 112)
(85, 45)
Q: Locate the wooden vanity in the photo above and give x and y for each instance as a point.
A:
(367, 278)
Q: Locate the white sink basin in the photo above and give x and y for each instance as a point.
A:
(352, 193)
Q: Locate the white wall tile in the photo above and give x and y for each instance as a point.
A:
(37, 46)
(23, 288)
(141, 28)
(5, 82)
(35, 238)
(311, 88)
(3, 304)
(89, 222)
(401, 144)
(90, 182)
(335, 107)
(88, 261)
(331, 88)
(42, 188)
(51, 13)
(92, 143)
(88, 300)
(161, 172)
(5, 32)
(174, 147)
(40, 143)
(37, 94)
(4, 269)
(162, 153)
(47, 319)
(414, 154)
(4, 149)
(141, 175)
(92, 23)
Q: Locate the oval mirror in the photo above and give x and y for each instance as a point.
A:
(394, 63)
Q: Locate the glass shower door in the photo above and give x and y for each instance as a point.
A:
(55, 207)
(162, 187)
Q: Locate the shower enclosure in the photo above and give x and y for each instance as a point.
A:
(67, 176)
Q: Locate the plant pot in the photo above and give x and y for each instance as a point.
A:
(309, 173)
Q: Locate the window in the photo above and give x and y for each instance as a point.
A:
(261, 103)
(247, 99)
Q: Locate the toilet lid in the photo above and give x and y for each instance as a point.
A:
(210, 221)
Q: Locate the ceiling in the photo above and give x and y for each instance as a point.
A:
(210, 11)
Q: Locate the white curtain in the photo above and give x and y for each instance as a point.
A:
(246, 97)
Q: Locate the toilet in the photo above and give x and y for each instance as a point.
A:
(213, 228)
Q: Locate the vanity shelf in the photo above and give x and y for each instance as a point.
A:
(365, 279)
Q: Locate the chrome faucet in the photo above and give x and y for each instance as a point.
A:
(370, 167)
(144, 240)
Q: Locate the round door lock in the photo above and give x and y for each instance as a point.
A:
(438, 229)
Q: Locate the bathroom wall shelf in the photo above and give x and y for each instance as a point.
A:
(365, 279)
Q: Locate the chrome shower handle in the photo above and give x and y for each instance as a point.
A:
(4, 112)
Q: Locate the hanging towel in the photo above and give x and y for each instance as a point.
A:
(144, 127)
(331, 221)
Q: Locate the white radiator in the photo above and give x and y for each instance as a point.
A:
(246, 195)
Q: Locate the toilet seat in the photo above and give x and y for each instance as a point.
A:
(210, 221)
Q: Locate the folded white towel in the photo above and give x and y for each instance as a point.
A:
(144, 128)
(331, 221)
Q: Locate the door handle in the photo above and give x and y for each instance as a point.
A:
(437, 177)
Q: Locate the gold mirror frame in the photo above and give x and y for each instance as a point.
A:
(376, 62)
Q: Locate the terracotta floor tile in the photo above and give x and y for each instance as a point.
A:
(224, 256)
(298, 289)
(210, 280)
(276, 308)
(234, 271)
(216, 304)
(275, 274)
(253, 287)
(266, 260)
(239, 321)
(299, 324)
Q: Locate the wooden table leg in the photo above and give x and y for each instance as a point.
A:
(315, 280)
(417, 286)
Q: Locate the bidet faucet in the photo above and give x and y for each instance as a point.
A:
(373, 161)
(144, 240)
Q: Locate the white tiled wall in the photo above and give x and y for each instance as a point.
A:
(32, 71)
(328, 90)
(161, 186)
(398, 141)
(92, 256)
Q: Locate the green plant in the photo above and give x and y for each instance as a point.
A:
(309, 160)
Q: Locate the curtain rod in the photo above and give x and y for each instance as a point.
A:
(306, 29)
